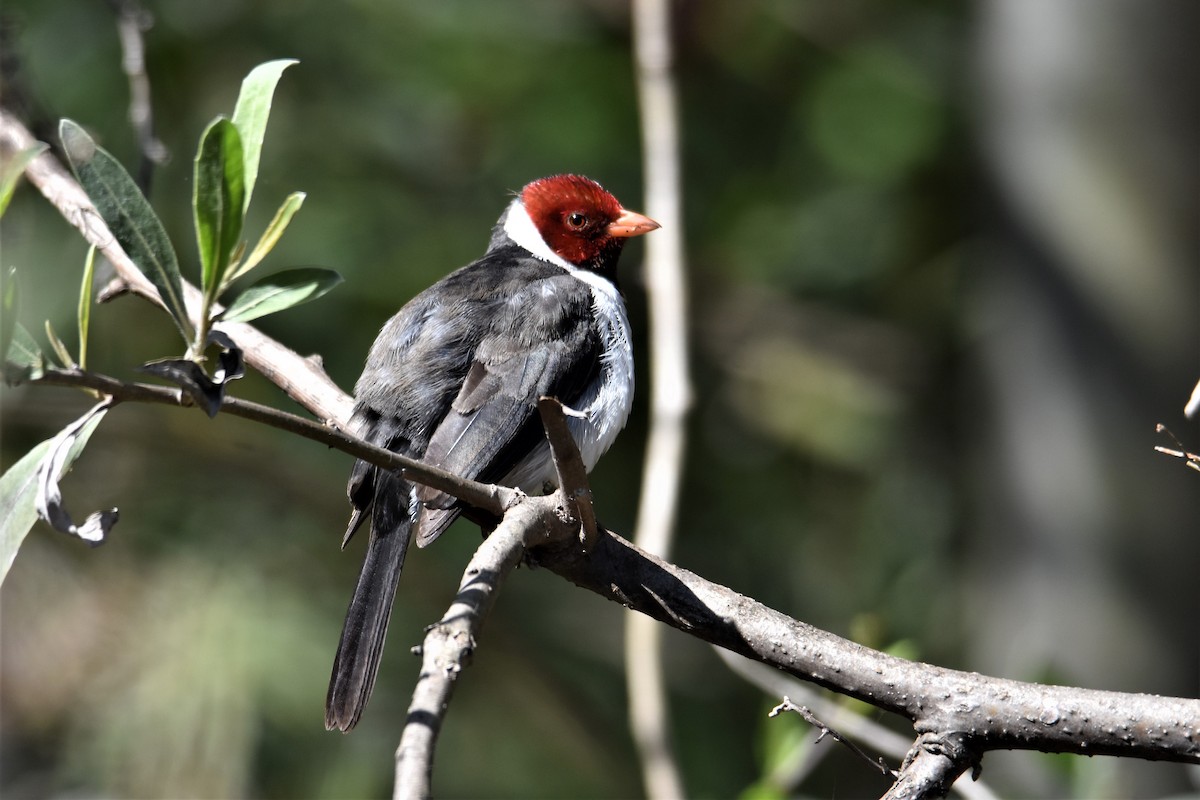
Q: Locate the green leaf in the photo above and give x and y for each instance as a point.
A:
(19, 486)
(85, 304)
(270, 236)
(279, 291)
(129, 216)
(13, 169)
(218, 201)
(24, 352)
(252, 111)
(8, 310)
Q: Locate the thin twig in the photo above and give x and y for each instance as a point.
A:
(859, 727)
(568, 465)
(812, 719)
(670, 385)
(494, 499)
(1190, 460)
(773, 682)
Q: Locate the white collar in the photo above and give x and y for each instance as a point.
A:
(520, 228)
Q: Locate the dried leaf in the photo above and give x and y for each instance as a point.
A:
(30, 489)
(208, 393)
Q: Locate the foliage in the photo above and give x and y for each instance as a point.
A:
(226, 169)
(12, 171)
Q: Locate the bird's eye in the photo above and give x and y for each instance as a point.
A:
(576, 220)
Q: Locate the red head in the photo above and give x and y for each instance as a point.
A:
(580, 222)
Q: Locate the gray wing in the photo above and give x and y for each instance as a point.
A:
(543, 343)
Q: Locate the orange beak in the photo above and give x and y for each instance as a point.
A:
(631, 223)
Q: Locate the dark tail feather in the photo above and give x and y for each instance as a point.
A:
(363, 633)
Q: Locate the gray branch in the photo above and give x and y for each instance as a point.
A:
(931, 767)
(990, 713)
(450, 642)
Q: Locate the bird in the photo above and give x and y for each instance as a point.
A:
(453, 379)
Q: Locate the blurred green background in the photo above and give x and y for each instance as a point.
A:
(942, 263)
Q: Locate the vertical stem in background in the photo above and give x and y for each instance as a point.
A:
(670, 386)
(132, 21)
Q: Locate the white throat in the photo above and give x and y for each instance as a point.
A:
(520, 228)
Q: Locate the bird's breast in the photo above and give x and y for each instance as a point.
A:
(599, 413)
(605, 405)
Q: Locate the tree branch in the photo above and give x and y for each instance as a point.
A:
(670, 384)
(933, 764)
(491, 498)
(568, 466)
(450, 642)
(994, 713)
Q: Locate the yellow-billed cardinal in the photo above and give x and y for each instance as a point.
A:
(453, 379)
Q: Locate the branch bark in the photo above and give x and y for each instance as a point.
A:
(932, 766)
(993, 713)
(450, 642)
